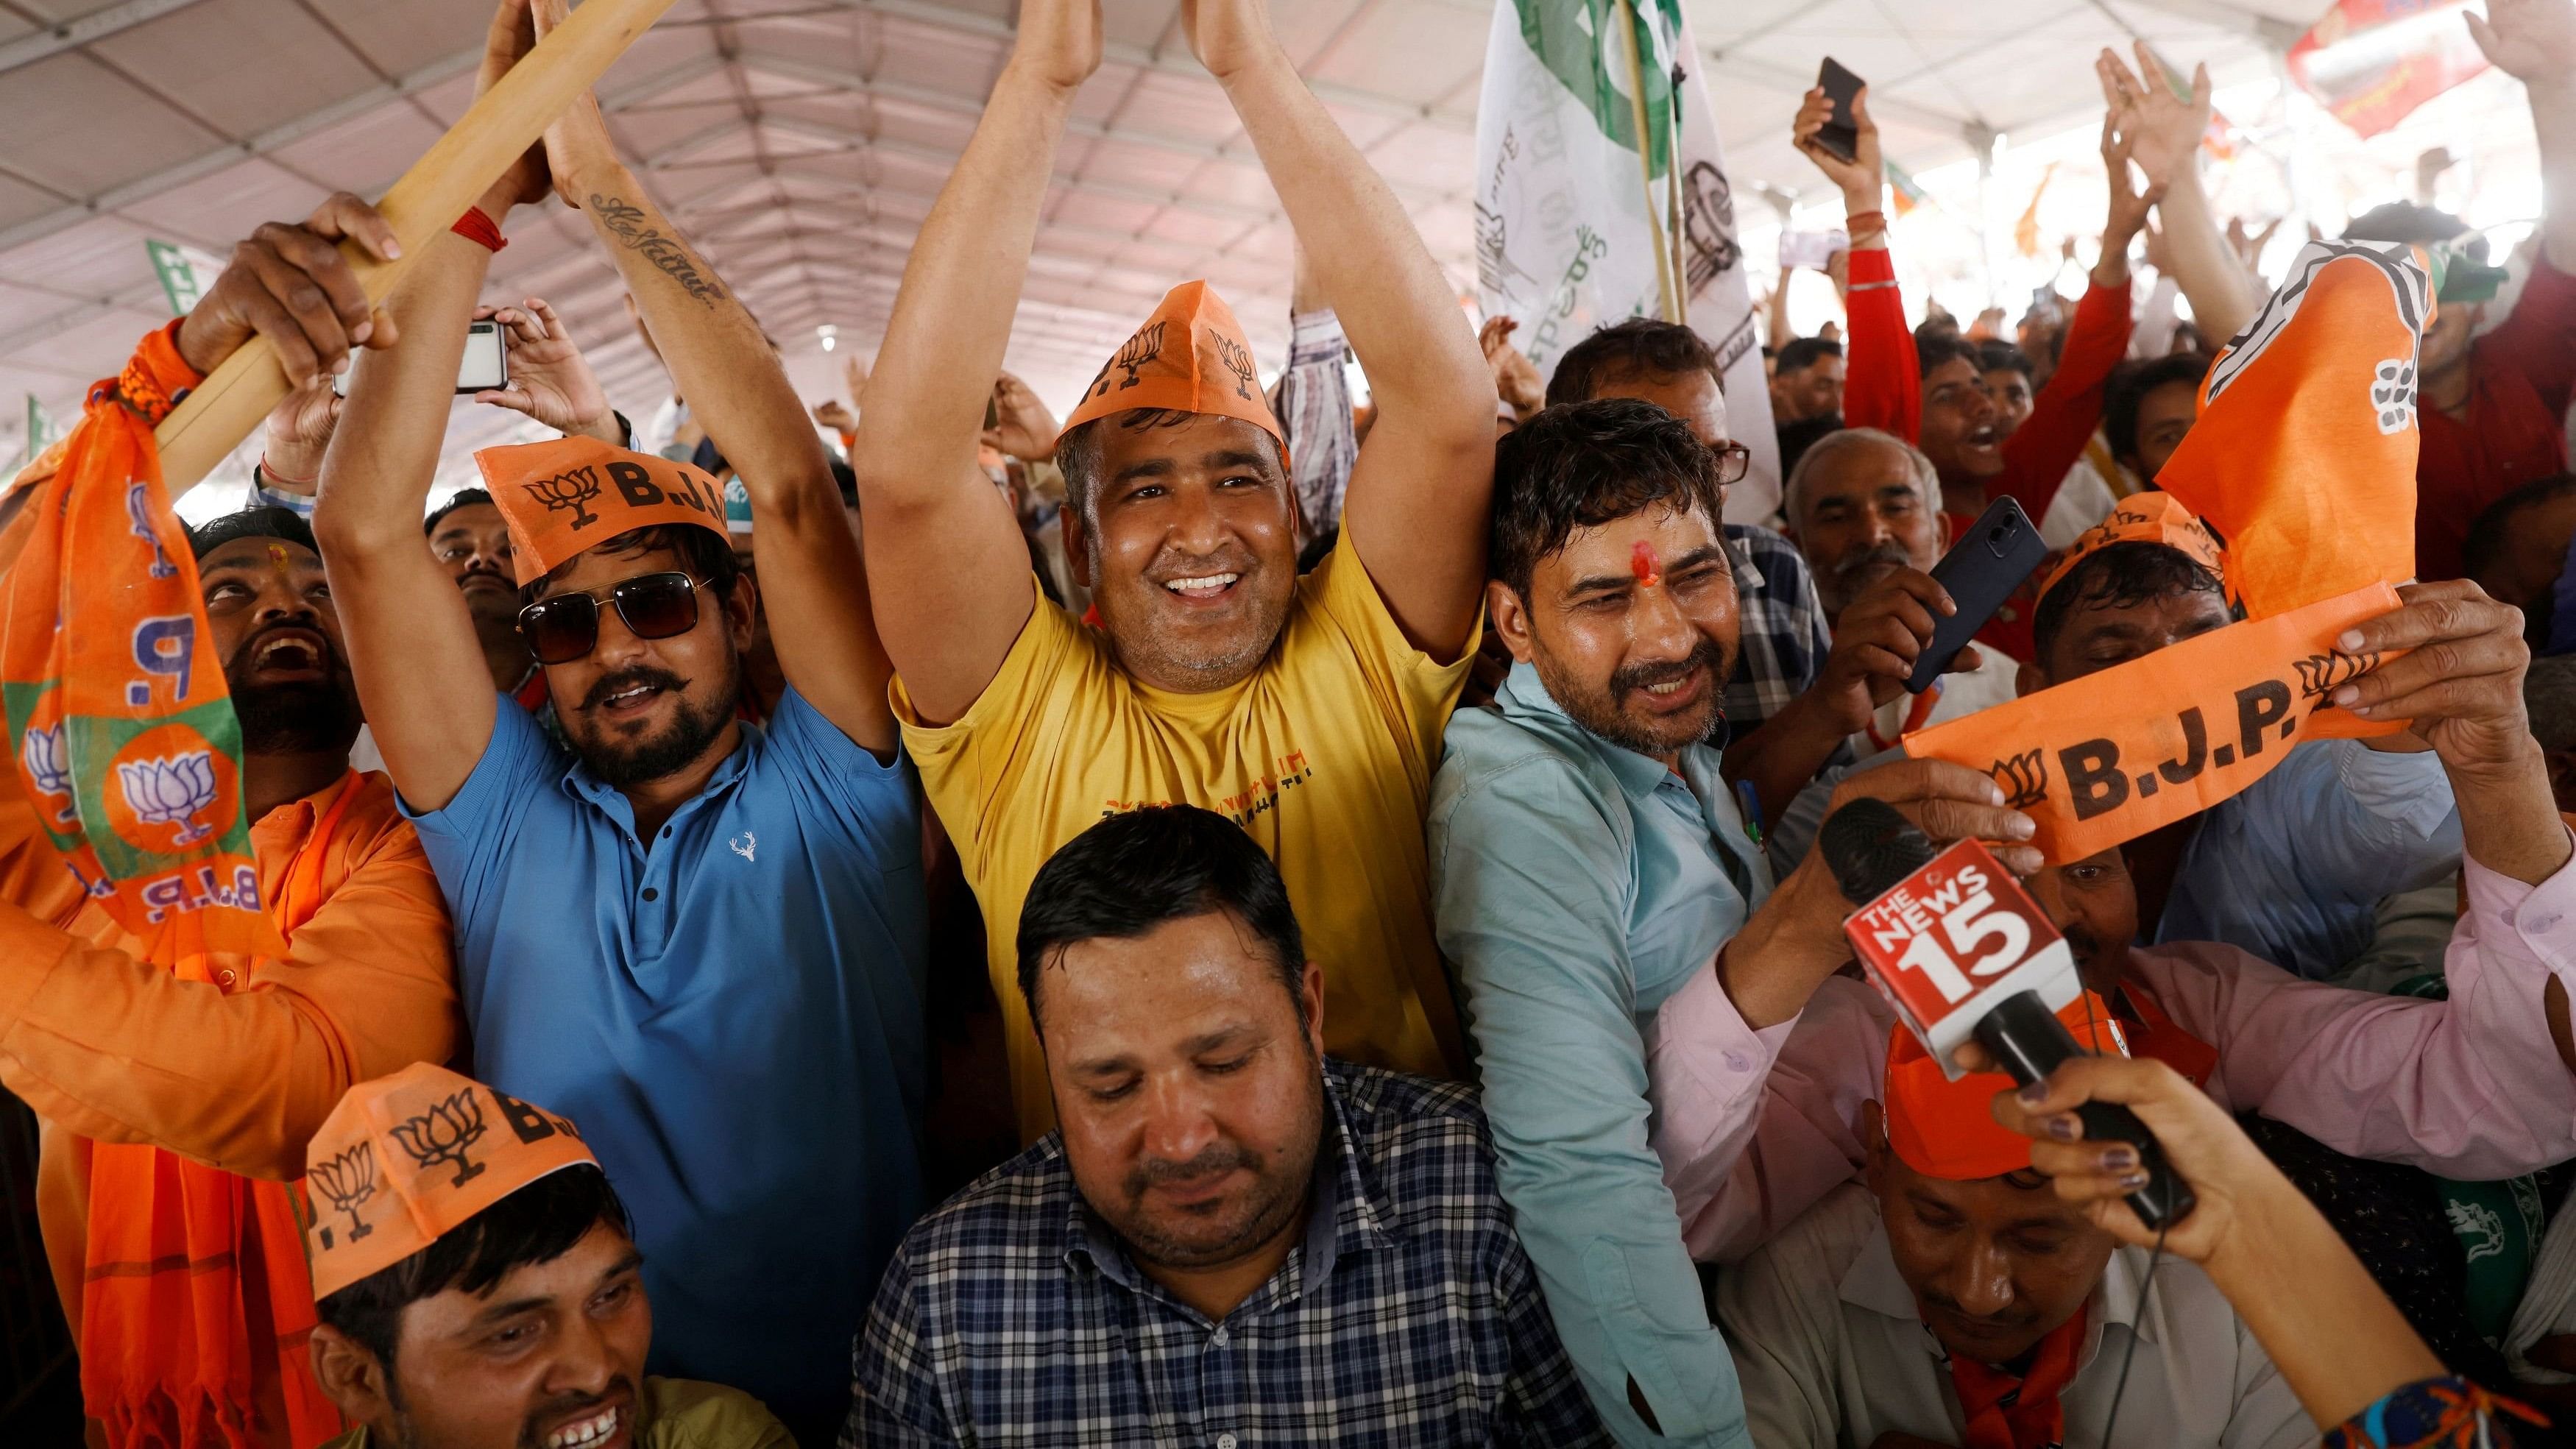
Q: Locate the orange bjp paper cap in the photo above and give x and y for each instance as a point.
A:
(565, 496)
(2149, 517)
(1947, 1129)
(1190, 357)
(405, 1160)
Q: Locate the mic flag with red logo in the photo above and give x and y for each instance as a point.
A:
(1955, 931)
(124, 734)
(2303, 464)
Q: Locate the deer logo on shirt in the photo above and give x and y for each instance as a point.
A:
(744, 844)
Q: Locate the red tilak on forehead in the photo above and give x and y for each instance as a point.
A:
(1641, 562)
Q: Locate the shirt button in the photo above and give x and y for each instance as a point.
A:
(1225, 1441)
(651, 894)
(226, 976)
(1220, 1341)
(1737, 1062)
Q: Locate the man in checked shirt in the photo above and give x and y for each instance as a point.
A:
(1231, 1239)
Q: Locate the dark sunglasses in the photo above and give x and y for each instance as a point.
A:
(1733, 460)
(562, 629)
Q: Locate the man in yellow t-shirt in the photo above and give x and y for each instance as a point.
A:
(1309, 710)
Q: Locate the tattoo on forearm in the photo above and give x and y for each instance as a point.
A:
(626, 222)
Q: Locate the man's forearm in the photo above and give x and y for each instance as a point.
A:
(1403, 321)
(384, 453)
(2223, 295)
(2337, 1340)
(1786, 949)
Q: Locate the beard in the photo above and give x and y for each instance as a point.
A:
(1602, 712)
(1267, 1208)
(624, 764)
(305, 717)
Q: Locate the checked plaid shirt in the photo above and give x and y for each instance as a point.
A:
(1408, 1316)
(1784, 633)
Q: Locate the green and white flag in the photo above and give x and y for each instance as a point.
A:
(186, 273)
(41, 432)
(1568, 214)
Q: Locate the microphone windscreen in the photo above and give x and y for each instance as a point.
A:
(1870, 847)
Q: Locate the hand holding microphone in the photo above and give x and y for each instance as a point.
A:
(1966, 956)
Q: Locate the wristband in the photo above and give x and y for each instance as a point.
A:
(268, 472)
(1858, 220)
(474, 226)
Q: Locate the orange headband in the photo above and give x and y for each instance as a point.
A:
(407, 1159)
(562, 497)
(1190, 357)
(1947, 1129)
(2149, 517)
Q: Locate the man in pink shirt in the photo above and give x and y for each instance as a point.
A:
(2480, 1086)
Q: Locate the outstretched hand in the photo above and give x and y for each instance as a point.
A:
(1516, 378)
(1861, 178)
(1025, 429)
(2534, 41)
(2161, 131)
(298, 433)
(291, 285)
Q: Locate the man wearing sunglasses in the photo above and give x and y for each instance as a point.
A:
(700, 938)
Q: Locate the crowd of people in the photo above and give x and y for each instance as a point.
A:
(1414, 1010)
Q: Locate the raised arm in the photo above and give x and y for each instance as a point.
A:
(1423, 486)
(949, 564)
(1882, 385)
(2162, 133)
(811, 579)
(411, 640)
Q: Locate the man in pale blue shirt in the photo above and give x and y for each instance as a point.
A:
(1590, 869)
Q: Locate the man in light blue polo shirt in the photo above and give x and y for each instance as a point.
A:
(699, 938)
(1593, 881)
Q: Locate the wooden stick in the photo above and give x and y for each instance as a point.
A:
(449, 177)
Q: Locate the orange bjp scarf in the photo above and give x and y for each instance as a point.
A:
(196, 1298)
(2008, 1412)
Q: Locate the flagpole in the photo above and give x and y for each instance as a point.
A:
(503, 123)
(1646, 160)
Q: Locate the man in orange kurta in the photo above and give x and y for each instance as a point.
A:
(167, 1080)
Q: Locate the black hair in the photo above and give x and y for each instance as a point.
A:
(2119, 576)
(464, 498)
(2404, 221)
(1079, 450)
(846, 478)
(704, 552)
(2486, 536)
(1800, 353)
(536, 1224)
(1637, 348)
(2127, 392)
(264, 522)
(1994, 355)
(1941, 347)
(1796, 438)
(1135, 871)
(1579, 465)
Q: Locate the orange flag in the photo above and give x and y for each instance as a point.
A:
(2303, 459)
(123, 733)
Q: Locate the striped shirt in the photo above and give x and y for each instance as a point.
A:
(1406, 1316)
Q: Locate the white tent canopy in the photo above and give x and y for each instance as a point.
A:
(801, 143)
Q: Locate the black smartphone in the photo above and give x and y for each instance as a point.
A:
(1839, 135)
(1981, 570)
(992, 414)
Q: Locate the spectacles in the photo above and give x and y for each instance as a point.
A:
(1734, 460)
(565, 627)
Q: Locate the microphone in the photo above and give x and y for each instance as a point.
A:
(1963, 953)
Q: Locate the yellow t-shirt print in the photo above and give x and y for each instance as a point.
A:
(1324, 756)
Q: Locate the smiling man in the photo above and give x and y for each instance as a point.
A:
(480, 1286)
(702, 938)
(1956, 1300)
(1307, 709)
(1232, 1237)
(1596, 887)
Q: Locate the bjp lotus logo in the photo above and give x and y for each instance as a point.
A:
(171, 790)
(348, 1180)
(443, 1133)
(48, 759)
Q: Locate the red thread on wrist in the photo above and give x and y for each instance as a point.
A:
(1860, 219)
(475, 226)
(269, 471)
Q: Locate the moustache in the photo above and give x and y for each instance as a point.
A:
(1220, 1158)
(628, 678)
(1851, 565)
(1629, 678)
(484, 571)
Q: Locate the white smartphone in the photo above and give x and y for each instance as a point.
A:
(485, 367)
(1811, 250)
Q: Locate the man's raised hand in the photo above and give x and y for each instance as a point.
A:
(1862, 178)
(2162, 131)
(1516, 378)
(1025, 429)
(578, 149)
(512, 35)
(1059, 41)
(549, 379)
(1876, 641)
(298, 433)
(1947, 802)
(291, 285)
(2534, 41)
